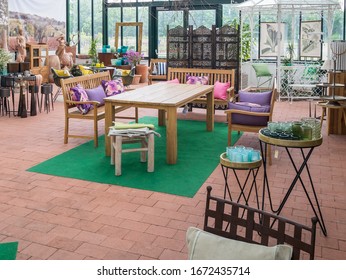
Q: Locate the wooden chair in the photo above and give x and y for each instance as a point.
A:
(240, 222)
(154, 72)
(246, 120)
(94, 115)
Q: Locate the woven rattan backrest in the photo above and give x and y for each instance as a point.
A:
(240, 222)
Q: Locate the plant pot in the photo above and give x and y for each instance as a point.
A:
(142, 70)
(136, 79)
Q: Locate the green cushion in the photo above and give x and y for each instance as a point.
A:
(8, 251)
(261, 70)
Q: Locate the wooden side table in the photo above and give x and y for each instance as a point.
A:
(339, 126)
(252, 168)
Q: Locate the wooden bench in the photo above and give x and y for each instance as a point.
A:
(214, 75)
(96, 114)
(153, 73)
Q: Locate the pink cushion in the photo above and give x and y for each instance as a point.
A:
(113, 87)
(220, 90)
(197, 80)
(175, 81)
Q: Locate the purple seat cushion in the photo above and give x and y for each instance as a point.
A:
(78, 94)
(261, 98)
(96, 94)
(249, 107)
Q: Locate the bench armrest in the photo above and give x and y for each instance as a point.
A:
(248, 113)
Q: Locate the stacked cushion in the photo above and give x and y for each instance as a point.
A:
(107, 88)
(252, 102)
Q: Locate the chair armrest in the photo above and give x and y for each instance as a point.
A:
(231, 96)
(248, 113)
(70, 102)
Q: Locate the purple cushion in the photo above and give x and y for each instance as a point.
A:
(113, 87)
(96, 94)
(261, 98)
(249, 120)
(197, 80)
(78, 94)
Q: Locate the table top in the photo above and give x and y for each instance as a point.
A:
(239, 165)
(290, 143)
(160, 94)
(326, 104)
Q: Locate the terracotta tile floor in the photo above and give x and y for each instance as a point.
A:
(63, 218)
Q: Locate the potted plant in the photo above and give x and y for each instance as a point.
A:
(5, 57)
(134, 58)
(93, 51)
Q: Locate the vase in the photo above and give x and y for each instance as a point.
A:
(136, 79)
(142, 70)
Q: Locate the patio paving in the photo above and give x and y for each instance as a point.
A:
(63, 218)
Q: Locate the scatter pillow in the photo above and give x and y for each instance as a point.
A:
(84, 70)
(261, 70)
(175, 81)
(261, 98)
(197, 80)
(220, 90)
(113, 87)
(78, 94)
(62, 72)
(203, 245)
(96, 94)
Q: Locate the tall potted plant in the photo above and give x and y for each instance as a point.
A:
(93, 51)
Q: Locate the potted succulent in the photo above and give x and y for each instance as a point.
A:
(5, 57)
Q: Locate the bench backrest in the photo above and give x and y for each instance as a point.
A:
(86, 81)
(214, 75)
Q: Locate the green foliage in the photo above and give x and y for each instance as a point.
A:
(93, 51)
(5, 57)
(246, 40)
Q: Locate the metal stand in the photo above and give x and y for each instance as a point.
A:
(251, 167)
(301, 145)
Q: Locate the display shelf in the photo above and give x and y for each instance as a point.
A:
(37, 56)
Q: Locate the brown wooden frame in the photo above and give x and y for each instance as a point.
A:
(240, 222)
(152, 77)
(214, 75)
(250, 128)
(118, 25)
(96, 114)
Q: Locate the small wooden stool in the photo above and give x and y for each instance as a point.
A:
(147, 145)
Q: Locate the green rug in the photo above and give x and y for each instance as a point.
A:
(198, 156)
(8, 251)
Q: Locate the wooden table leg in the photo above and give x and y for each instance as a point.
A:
(210, 111)
(162, 117)
(109, 118)
(171, 135)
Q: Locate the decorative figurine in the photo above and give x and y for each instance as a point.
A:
(66, 59)
(21, 44)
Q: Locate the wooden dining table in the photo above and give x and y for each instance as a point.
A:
(167, 98)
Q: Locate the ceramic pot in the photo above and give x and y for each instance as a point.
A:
(136, 79)
(142, 70)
